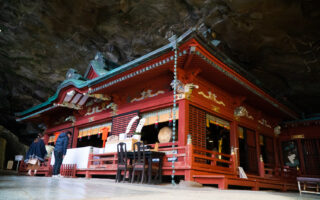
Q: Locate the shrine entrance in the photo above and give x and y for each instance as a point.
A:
(311, 154)
(218, 135)
(248, 150)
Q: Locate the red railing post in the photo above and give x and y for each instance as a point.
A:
(213, 162)
(189, 163)
(261, 167)
(89, 160)
(233, 164)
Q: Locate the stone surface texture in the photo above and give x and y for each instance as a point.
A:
(22, 187)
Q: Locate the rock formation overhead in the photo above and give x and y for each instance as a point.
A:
(277, 41)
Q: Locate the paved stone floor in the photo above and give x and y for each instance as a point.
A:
(24, 187)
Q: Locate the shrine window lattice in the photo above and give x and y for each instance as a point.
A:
(120, 123)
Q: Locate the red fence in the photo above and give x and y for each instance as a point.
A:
(68, 170)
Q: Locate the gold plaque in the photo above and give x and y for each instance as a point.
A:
(297, 136)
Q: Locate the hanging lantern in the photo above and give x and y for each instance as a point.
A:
(156, 124)
(170, 118)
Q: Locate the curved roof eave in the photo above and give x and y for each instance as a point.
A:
(76, 83)
(110, 74)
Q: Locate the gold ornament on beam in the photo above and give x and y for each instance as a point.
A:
(241, 111)
(99, 96)
(212, 96)
(264, 123)
(69, 105)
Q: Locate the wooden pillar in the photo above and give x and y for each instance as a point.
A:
(188, 173)
(75, 137)
(301, 157)
(183, 122)
(276, 155)
(260, 168)
(234, 142)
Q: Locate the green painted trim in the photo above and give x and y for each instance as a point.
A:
(73, 82)
(108, 75)
(36, 113)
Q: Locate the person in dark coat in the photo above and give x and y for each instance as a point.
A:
(60, 151)
(36, 154)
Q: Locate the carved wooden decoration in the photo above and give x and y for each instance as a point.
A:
(212, 96)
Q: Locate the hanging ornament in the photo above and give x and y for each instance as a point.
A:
(170, 118)
(157, 122)
(89, 137)
(99, 134)
(80, 136)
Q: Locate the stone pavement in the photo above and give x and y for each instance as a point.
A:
(24, 187)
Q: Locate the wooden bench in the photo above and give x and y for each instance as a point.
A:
(310, 185)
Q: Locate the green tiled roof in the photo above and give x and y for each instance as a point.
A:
(102, 70)
(65, 83)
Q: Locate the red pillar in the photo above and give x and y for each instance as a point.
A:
(234, 142)
(188, 173)
(183, 122)
(75, 137)
(260, 168)
(276, 155)
(301, 158)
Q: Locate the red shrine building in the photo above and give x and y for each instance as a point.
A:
(223, 120)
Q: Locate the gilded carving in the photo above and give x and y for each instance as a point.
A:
(100, 96)
(264, 123)
(216, 108)
(147, 94)
(212, 96)
(241, 111)
(184, 90)
(69, 105)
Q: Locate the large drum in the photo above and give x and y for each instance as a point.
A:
(165, 135)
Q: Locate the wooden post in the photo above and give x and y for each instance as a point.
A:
(301, 157)
(183, 122)
(260, 169)
(188, 174)
(234, 142)
(276, 156)
(75, 137)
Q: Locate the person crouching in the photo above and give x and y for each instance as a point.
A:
(35, 154)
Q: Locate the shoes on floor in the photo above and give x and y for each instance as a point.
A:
(57, 176)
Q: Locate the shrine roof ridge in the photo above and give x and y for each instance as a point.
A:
(104, 76)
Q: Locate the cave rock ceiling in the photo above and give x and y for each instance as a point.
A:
(277, 41)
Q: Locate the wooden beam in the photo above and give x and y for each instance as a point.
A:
(69, 105)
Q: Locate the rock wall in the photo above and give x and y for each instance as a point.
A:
(13, 146)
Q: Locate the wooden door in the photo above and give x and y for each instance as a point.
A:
(252, 152)
(310, 148)
(269, 151)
